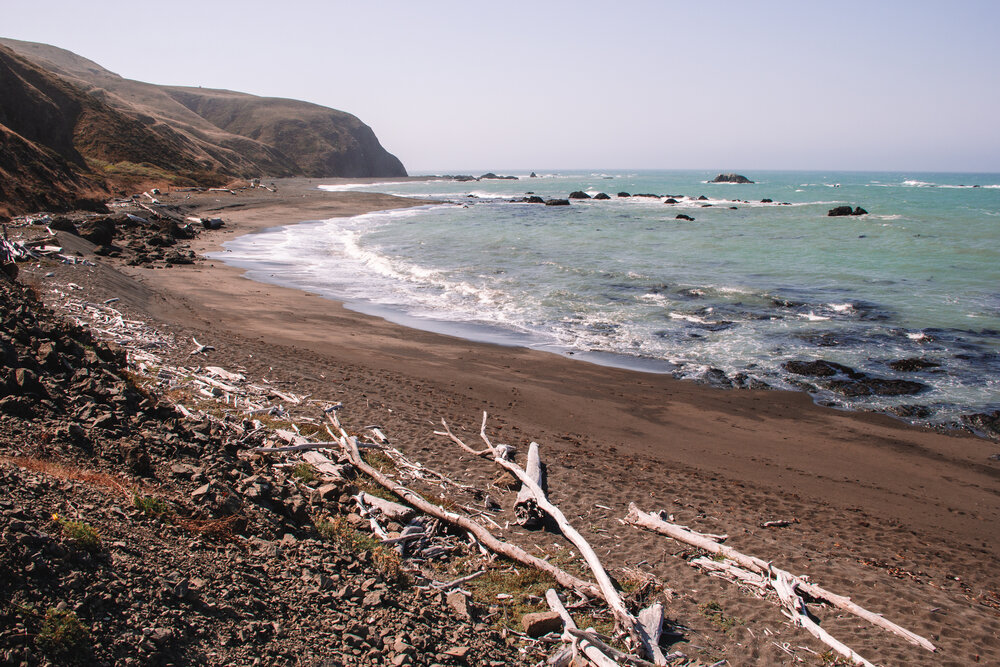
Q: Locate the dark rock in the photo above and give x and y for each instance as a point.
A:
(624, 194)
(766, 201)
(702, 198)
(557, 202)
(911, 411)
(876, 387)
(533, 175)
(670, 200)
(492, 176)
(681, 216)
(911, 365)
(579, 194)
(647, 194)
(731, 178)
(99, 232)
(602, 195)
(987, 422)
(541, 623)
(846, 210)
(533, 199)
(820, 368)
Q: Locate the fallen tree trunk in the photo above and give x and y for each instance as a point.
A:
(651, 522)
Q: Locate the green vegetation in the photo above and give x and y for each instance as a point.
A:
(340, 531)
(305, 473)
(713, 612)
(80, 532)
(151, 506)
(62, 634)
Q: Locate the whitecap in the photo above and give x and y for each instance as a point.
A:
(813, 317)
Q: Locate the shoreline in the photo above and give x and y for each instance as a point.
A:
(870, 495)
(300, 319)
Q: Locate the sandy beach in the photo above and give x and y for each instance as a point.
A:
(901, 519)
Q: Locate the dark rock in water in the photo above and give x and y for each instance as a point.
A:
(744, 381)
(702, 198)
(876, 386)
(765, 200)
(624, 194)
(533, 175)
(912, 411)
(602, 195)
(463, 178)
(557, 202)
(647, 194)
(987, 422)
(731, 178)
(491, 176)
(911, 365)
(533, 199)
(681, 216)
(846, 210)
(669, 200)
(579, 194)
(732, 208)
(820, 368)
(706, 206)
(716, 377)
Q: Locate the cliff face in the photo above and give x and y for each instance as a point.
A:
(67, 125)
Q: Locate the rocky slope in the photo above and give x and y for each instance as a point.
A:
(71, 128)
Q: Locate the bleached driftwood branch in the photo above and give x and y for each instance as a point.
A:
(651, 522)
(485, 537)
(526, 510)
(625, 619)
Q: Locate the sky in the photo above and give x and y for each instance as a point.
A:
(471, 87)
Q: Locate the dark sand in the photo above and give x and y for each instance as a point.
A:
(903, 520)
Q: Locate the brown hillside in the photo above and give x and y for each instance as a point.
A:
(239, 134)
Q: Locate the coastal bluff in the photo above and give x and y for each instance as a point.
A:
(74, 130)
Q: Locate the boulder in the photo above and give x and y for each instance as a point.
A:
(911, 365)
(820, 368)
(557, 202)
(541, 623)
(846, 210)
(624, 194)
(681, 216)
(579, 194)
(533, 175)
(766, 200)
(533, 199)
(702, 198)
(602, 195)
(669, 200)
(731, 178)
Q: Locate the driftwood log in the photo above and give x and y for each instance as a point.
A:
(649, 521)
(485, 537)
(593, 653)
(623, 617)
(526, 510)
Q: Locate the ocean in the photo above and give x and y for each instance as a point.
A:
(901, 305)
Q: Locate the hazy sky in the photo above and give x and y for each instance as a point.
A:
(453, 86)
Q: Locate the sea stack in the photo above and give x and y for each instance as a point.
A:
(730, 178)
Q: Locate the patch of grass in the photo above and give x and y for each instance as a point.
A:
(378, 459)
(80, 532)
(521, 583)
(340, 531)
(831, 659)
(151, 506)
(713, 612)
(305, 473)
(373, 489)
(62, 634)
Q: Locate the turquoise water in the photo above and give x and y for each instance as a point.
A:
(738, 291)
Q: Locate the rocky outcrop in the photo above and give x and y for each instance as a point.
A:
(681, 216)
(602, 195)
(579, 194)
(846, 210)
(730, 178)
(557, 202)
(490, 176)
